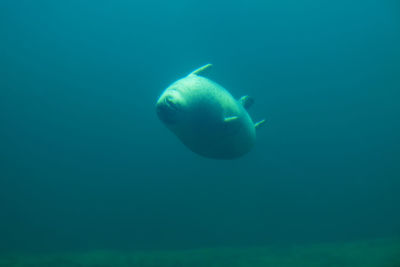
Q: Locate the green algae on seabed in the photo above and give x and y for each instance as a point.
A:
(374, 253)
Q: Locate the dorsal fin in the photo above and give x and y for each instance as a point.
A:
(246, 101)
(201, 69)
(258, 124)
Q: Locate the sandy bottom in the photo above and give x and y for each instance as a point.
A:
(368, 253)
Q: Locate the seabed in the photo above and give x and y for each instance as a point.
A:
(368, 253)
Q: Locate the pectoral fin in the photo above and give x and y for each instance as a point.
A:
(230, 119)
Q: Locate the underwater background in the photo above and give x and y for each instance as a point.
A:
(86, 165)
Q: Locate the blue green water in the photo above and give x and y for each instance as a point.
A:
(86, 164)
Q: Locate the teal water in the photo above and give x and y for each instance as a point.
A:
(85, 164)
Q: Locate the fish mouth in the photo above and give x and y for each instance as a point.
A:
(167, 110)
(168, 101)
